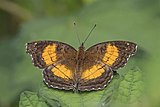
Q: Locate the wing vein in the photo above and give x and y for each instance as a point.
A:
(62, 72)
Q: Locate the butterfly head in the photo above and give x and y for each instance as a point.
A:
(82, 47)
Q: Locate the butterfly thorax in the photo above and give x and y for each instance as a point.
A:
(80, 53)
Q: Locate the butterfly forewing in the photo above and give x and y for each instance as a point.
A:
(115, 54)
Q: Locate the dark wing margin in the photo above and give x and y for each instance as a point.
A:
(35, 49)
(126, 49)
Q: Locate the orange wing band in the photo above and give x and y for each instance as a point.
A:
(62, 71)
(111, 55)
(49, 54)
(93, 72)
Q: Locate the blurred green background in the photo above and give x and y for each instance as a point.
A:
(22, 21)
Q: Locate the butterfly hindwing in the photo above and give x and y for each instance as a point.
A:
(59, 76)
(96, 75)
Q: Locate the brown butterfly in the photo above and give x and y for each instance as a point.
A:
(66, 68)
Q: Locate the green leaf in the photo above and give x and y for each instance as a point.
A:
(130, 88)
(30, 99)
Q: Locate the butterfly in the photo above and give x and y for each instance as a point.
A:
(66, 68)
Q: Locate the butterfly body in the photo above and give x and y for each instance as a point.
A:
(80, 70)
(80, 59)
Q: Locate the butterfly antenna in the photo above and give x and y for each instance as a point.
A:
(76, 32)
(89, 33)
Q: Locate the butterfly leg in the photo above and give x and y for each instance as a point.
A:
(115, 74)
